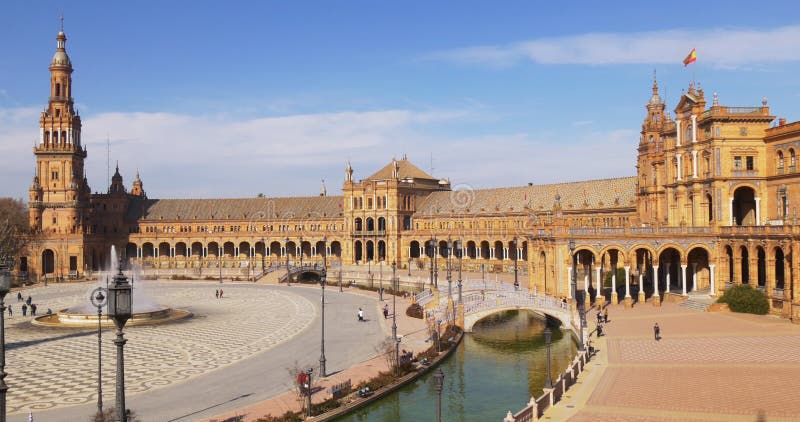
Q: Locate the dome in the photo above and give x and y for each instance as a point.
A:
(61, 59)
(655, 99)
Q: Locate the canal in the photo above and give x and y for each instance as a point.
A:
(495, 369)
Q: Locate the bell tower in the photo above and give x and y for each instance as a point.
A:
(59, 183)
(650, 164)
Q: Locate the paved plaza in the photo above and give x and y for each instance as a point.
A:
(707, 367)
(234, 351)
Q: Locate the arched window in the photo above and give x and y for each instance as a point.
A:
(780, 161)
(791, 159)
(58, 90)
(688, 133)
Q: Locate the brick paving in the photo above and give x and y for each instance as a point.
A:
(707, 367)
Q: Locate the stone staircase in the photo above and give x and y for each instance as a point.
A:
(698, 300)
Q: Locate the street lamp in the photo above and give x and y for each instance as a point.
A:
(548, 382)
(322, 281)
(288, 270)
(516, 258)
(449, 273)
(120, 310)
(301, 252)
(219, 259)
(438, 381)
(460, 249)
(576, 294)
(263, 254)
(5, 286)
(380, 280)
(394, 317)
(99, 300)
(431, 243)
(308, 390)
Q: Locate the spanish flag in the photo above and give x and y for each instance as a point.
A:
(691, 58)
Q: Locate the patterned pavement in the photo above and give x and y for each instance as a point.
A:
(50, 368)
(707, 367)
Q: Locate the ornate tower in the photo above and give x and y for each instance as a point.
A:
(651, 159)
(59, 184)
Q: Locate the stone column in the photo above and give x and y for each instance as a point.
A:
(656, 299)
(678, 134)
(694, 164)
(667, 279)
(600, 298)
(694, 129)
(713, 288)
(694, 276)
(614, 296)
(683, 278)
(641, 296)
(586, 299)
(680, 167)
(628, 299)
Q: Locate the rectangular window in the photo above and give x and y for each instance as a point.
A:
(737, 163)
(749, 162)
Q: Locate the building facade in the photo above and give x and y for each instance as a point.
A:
(713, 203)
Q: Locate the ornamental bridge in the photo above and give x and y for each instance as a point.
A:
(480, 299)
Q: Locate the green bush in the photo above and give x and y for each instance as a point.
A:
(744, 298)
(415, 311)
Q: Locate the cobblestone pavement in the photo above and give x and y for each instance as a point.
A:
(50, 368)
(707, 367)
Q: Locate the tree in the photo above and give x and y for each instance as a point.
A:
(14, 228)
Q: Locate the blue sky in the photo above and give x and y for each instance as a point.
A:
(228, 99)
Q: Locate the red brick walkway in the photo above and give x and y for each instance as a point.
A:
(707, 367)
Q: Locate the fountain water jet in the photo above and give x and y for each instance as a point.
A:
(145, 310)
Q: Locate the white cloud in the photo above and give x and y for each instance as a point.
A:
(221, 156)
(723, 47)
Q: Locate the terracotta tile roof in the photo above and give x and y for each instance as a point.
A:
(590, 194)
(406, 170)
(235, 209)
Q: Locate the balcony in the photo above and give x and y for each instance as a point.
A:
(369, 233)
(744, 173)
(791, 169)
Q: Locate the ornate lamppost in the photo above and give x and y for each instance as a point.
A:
(459, 248)
(394, 317)
(450, 276)
(577, 295)
(301, 252)
(438, 382)
(5, 286)
(120, 310)
(288, 270)
(548, 381)
(340, 272)
(263, 255)
(380, 280)
(308, 390)
(322, 285)
(433, 251)
(516, 258)
(98, 299)
(219, 261)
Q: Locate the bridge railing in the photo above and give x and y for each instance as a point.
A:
(536, 407)
(424, 297)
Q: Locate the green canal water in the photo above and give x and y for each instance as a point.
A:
(495, 369)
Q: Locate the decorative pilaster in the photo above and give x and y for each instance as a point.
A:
(628, 299)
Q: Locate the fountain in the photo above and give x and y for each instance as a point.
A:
(145, 310)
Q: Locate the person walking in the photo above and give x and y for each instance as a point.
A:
(657, 332)
(19, 296)
(216, 293)
(386, 311)
(29, 300)
(24, 309)
(599, 316)
(33, 309)
(10, 312)
(360, 315)
(220, 293)
(605, 315)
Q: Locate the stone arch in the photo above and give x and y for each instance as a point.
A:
(730, 262)
(744, 206)
(485, 249)
(381, 250)
(131, 251)
(761, 267)
(443, 248)
(180, 249)
(244, 249)
(275, 249)
(669, 268)
(213, 249)
(197, 249)
(370, 250)
(336, 249)
(358, 250)
(163, 249)
(472, 251)
(357, 223)
(699, 270)
(305, 249)
(260, 249)
(370, 224)
(780, 270)
(744, 255)
(381, 224)
(48, 262)
(413, 249)
(148, 251)
(498, 250)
